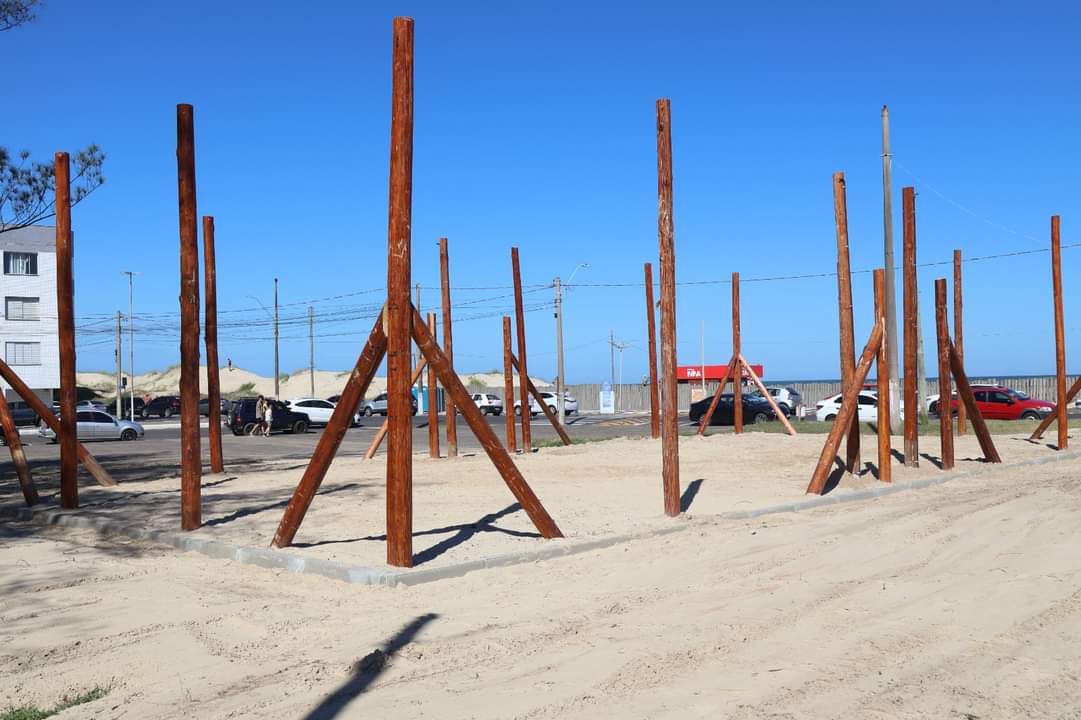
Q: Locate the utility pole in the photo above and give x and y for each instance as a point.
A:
(131, 336)
(311, 350)
(890, 287)
(118, 405)
(277, 371)
(612, 342)
(921, 374)
(559, 351)
(621, 346)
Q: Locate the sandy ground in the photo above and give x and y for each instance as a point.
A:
(958, 601)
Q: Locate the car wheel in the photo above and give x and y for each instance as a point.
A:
(785, 409)
(300, 427)
(249, 429)
(518, 411)
(168, 412)
(1030, 416)
(129, 434)
(368, 411)
(552, 408)
(831, 418)
(144, 414)
(497, 412)
(760, 417)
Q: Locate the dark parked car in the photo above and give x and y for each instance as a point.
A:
(243, 420)
(22, 413)
(125, 408)
(756, 409)
(162, 406)
(204, 407)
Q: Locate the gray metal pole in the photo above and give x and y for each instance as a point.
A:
(612, 343)
(277, 371)
(118, 404)
(890, 275)
(560, 383)
(311, 350)
(131, 338)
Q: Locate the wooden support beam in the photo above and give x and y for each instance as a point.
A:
(18, 456)
(964, 392)
(651, 328)
(519, 315)
(213, 381)
(46, 414)
(911, 330)
(958, 336)
(666, 241)
(765, 393)
(65, 308)
(844, 312)
(331, 438)
(433, 401)
(945, 389)
(735, 371)
(508, 386)
(382, 432)
(483, 432)
(849, 407)
(730, 369)
(540, 401)
(1062, 403)
(400, 320)
(882, 364)
(1046, 422)
(448, 345)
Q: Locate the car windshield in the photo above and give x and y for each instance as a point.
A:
(1019, 395)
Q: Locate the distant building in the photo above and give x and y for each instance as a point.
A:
(28, 325)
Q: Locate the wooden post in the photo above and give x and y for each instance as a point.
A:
(381, 433)
(651, 328)
(958, 336)
(523, 369)
(945, 388)
(543, 405)
(508, 386)
(191, 459)
(483, 432)
(46, 414)
(735, 370)
(849, 407)
(844, 311)
(399, 308)
(331, 438)
(65, 309)
(964, 392)
(765, 393)
(213, 385)
(729, 371)
(1062, 404)
(18, 456)
(882, 364)
(1046, 422)
(666, 241)
(911, 329)
(448, 346)
(433, 399)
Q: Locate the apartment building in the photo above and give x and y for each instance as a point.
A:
(28, 326)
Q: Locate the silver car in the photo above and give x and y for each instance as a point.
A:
(93, 425)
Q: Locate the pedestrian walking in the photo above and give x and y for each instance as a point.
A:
(268, 417)
(260, 411)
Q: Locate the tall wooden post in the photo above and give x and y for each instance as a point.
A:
(433, 399)
(958, 335)
(519, 316)
(651, 328)
(844, 311)
(882, 363)
(65, 308)
(1062, 402)
(399, 315)
(911, 326)
(666, 241)
(945, 387)
(737, 371)
(18, 456)
(448, 346)
(508, 386)
(191, 459)
(213, 386)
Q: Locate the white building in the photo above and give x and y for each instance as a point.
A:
(28, 326)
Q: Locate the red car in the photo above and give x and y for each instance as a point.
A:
(997, 402)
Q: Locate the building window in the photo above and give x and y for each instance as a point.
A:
(21, 308)
(23, 353)
(20, 263)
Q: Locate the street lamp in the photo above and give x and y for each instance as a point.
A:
(131, 338)
(275, 318)
(559, 340)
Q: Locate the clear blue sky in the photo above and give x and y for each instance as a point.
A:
(535, 127)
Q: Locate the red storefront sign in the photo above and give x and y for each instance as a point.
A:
(693, 373)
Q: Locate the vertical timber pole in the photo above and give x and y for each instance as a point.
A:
(433, 409)
(891, 270)
(523, 372)
(65, 307)
(399, 312)
(448, 346)
(191, 460)
(213, 381)
(911, 322)
(651, 327)
(736, 372)
(885, 467)
(844, 310)
(945, 387)
(508, 386)
(666, 242)
(1062, 402)
(958, 336)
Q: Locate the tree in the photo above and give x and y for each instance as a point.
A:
(28, 189)
(14, 13)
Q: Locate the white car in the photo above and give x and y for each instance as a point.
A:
(826, 410)
(489, 404)
(96, 425)
(317, 409)
(786, 398)
(570, 404)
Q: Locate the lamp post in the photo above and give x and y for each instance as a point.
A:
(273, 316)
(131, 336)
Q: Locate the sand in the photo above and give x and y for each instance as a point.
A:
(960, 600)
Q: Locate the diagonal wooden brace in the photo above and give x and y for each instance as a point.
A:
(18, 456)
(382, 432)
(540, 401)
(1046, 422)
(769, 398)
(704, 422)
(964, 392)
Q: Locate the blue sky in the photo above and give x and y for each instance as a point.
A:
(535, 127)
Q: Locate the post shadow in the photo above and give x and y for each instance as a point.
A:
(689, 495)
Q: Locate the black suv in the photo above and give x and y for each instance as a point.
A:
(162, 406)
(243, 420)
(22, 413)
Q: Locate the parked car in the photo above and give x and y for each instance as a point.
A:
(318, 411)
(204, 406)
(788, 399)
(162, 406)
(826, 410)
(489, 404)
(93, 425)
(378, 405)
(998, 402)
(243, 420)
(22, 413)
(125, 407)
(91, 405)
(756, 409)
(570, 403)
